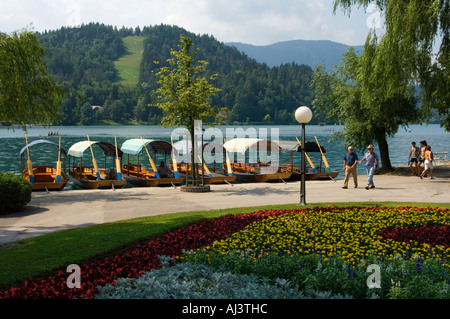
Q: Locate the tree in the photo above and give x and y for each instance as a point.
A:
(187, 93)
(354, 95)
(28, 94)
(407, 54)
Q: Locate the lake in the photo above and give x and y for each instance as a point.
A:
(12, 140)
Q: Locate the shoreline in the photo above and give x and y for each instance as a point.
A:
(56, 211)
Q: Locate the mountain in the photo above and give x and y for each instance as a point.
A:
(306, 52)
(115, 69)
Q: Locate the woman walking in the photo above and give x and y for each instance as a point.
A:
(372, 164)
(428, 163)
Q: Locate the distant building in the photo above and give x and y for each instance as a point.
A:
(97, 108)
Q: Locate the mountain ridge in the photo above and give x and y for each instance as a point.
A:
(308, 52)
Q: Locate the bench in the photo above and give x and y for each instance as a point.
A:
(440, 157)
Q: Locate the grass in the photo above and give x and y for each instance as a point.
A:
(42, 255)
(128, 65)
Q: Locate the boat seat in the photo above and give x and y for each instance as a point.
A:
(43, 178)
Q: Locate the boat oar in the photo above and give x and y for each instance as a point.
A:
(94, 162)
(150, 159)
(58, 163)
(230, 172)
(323, 156)
(119, 173)
(29, 164)
(204, 166)
(307, 157)
(174, 159)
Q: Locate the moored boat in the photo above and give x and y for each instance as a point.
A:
(313, 172)
(136, 174)
(91, 176)
(255, 170)
(44, 177)
(209, 174)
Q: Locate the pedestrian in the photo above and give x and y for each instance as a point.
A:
(163, 170)
(428, 163)
(372, 164)
(350, 162)
(423, 146)
(413, 159)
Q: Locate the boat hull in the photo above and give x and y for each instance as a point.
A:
(40, 187)
(219, 179)
(45, 179)
(152, 182)
(314, 176)
(278, 177)
(250, 178)
(101, 184)
(84, 177)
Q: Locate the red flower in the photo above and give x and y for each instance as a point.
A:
(432, 235)
(139, 260)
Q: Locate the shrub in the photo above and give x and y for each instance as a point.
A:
(198, 281)
(15, 192)
(411, 279)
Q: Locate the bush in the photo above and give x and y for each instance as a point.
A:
(15, 192)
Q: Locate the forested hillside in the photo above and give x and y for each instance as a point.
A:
(83, 60)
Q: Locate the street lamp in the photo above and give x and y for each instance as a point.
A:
(303, 115)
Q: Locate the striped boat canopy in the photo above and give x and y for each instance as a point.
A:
(41, 142)
(241, 145)
(108, 149)
(294, 146)
(208, 147)
(135, 146)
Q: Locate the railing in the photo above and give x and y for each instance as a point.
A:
(440, 157)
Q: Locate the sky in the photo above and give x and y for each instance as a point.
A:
(257, 22)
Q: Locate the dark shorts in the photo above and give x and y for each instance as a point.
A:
(421, 159)
(413, 160)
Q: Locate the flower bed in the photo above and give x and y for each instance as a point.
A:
(137, 261)
(352, 234)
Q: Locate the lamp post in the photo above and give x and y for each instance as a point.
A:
(303, 115)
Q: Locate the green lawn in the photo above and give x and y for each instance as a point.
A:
(128, 65)
(43, 254)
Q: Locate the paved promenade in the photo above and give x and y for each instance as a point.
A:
(55, 211)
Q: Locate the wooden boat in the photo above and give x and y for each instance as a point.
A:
(91, 176)
(209, 175)
(44, 177)
(138, 175)
(255, 171)
(313, 172)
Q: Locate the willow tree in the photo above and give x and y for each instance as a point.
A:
(375, 93)
(353, 95)
(28, 94)
(186, 93)
(414, 31)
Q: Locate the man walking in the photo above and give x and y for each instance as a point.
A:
(350, 162)
(372, 164)
(413, 159)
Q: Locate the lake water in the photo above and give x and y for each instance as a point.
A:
(12, 140)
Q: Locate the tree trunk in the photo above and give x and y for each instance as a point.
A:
(384, 153)
(193, 165)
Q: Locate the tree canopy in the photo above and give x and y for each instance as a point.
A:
(375, 93)
(186, 93)
(407, 54)
(28, 94)
(352, 95)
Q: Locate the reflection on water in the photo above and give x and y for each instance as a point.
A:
(12, 141)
